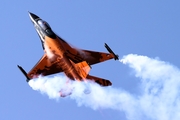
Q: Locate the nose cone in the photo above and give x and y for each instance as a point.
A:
(33, 16)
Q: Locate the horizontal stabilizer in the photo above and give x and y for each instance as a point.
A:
(100, 81)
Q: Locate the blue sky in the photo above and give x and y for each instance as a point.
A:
(147, 28)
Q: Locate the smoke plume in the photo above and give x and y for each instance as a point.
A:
(159, 87)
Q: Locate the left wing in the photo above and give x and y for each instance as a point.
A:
(44, 67)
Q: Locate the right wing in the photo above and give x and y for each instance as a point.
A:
(91, 57)
(94, 57)
(44, 67)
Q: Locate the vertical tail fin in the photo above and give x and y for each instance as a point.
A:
(83, 68)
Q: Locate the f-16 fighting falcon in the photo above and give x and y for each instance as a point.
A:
(59, 56)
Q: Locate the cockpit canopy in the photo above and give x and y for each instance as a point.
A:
(44, 25)
(46, 28)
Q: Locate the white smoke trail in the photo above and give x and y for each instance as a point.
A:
(160, 85)
(159, 99)
(48, 85)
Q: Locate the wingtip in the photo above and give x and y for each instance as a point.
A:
(105, 44)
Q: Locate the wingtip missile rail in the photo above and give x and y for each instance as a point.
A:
(24, 72)
(116, 57)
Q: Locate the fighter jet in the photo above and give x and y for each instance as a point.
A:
(59, 56)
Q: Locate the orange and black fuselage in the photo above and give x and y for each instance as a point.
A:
(55, 46)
